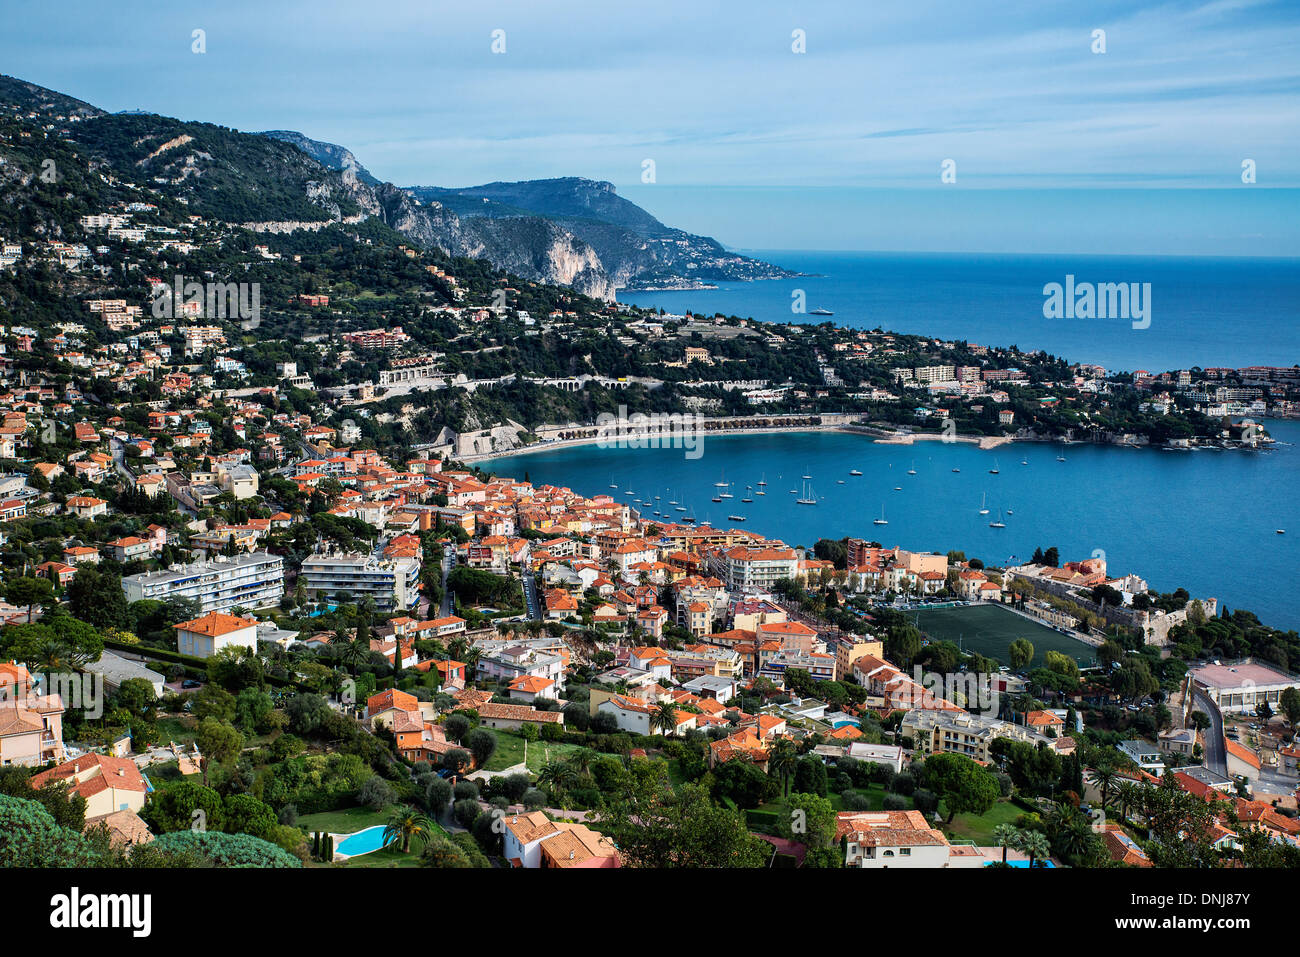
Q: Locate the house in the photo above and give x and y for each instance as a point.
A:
(880, 839)
(1122, 848)
(108, 784)
(578, 846)
(86, 506)
(1145, 755)
(511, 717)
(31, 724)
(215, 631)
(527, 688)
(1045, 723)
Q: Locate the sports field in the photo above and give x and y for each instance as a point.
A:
(989, 629)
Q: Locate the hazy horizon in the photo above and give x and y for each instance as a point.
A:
(1051, 144)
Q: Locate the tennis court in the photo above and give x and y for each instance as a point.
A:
(989, 629)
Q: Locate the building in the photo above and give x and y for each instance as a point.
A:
(879, 839)
(1240, 688)
(1145, 755)
(108, 784)
(534, 841)
(959, 732)
(391, 583)
(747, 569)
(214, 632)
(31, 723)
(248, 581)
(117, 669)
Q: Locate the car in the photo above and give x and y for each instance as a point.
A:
(190, 683)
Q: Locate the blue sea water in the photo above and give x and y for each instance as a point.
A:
(1205, 311)
(1205, 521)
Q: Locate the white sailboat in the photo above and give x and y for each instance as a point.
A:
(984, 509)
(723, 483)
(999, 523)
(912, 470)
(808, 497)
(882, 520)
(994, 470)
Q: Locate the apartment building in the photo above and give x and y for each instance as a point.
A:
(391, 583)
(249, 581)
(743, 568)
(959, 732)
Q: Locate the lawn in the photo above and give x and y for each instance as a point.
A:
(344, 821)
(510, 751)
(989, 629)
(767, 817)
(178, 729)
(979, 827)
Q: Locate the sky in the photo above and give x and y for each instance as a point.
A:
(842, 146)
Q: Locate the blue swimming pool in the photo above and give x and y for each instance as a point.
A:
(1037, 864)
(362, 842)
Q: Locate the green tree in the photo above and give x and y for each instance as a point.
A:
(963, 785)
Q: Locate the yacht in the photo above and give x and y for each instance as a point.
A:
(839, 481)
(726, 494)
(735, 518)
(1010, 512)
(723, 483)
(681, 508)
(912, 470)
(999, 523)
(716, 498)
(984, 509)
(763, 480)
(820, 312)
(808, 497)
(898, 488)
(854, 472)
(882, 520)
(1060, 458)
(956, 470)
(748, 494)
(994, 470)
(1024, 461)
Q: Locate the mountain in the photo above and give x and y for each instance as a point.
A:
(572, 232)
(635, 249)
(330, 155)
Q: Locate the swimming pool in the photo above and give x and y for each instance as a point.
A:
(1025, 864)
(362, 842)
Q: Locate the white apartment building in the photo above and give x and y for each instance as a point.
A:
(249, 581)
(392, 583)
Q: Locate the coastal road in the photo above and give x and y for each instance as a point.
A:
(1216, 757)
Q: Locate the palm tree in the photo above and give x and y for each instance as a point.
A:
(664, 718)
(406, 823)
(781, 762)
(1004, 836)
(1126, 793)
(1103, 773)
(581, 760)
(1034, 843)
(557, 778)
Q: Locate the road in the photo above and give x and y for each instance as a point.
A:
(1216, 757)
(531, 598)
(448, 552)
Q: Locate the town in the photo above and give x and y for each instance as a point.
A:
(266, 603)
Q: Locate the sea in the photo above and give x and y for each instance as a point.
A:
(1203, 311)
(1207, 521)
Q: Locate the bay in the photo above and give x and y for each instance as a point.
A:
(1205, 520)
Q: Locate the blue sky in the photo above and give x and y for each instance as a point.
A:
(752, 142)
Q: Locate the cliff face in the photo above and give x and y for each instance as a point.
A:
(530, 247)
